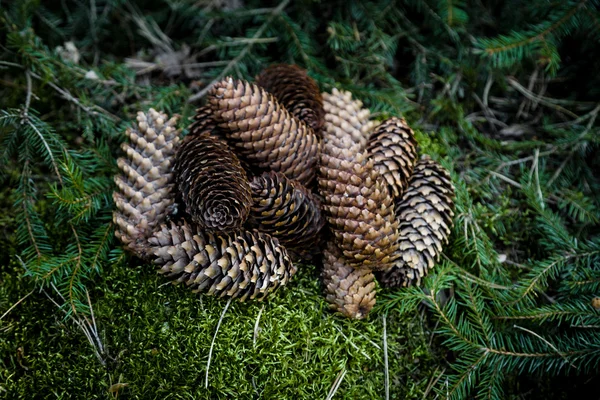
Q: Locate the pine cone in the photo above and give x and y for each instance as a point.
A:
(263, 131)
(244, 264)
(349, 291)
(296, 91)
(358, 208)
(212, 183)
(144, 194)
(425, 215)
(204, 122)
(393, 149)
(286, 210)
(347, 123)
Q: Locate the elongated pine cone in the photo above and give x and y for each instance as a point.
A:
(284, 209)
(212, 183)
(263, 131)
(347, 123)
(243, 264)
(349, 291)
(145, 185)
(393, 149)
(359, 210)
(296, 91)
(426, 217)
(356, 201)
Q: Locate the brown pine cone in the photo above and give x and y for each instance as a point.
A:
(425, 214)
(349, 291)
(263, 132)
(212, 183)
(347, 123)
(243, 264)
(393, 149)
(296, 91)
(286, 210)
(204, 122)
(144, 188)
(358, 208)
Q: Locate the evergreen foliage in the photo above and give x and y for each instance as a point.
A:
(504, 94)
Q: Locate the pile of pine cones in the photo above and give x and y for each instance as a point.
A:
(265, 167)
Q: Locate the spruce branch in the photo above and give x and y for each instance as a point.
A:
(276, 11)
(506, 50)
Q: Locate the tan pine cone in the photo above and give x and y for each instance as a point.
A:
(144, 187)
(243, 265)
(263, 132)
(356, 202)
(296, 91)
(426, 216)
(349, 291)
(212, 183)
(393, 149)
(347, 123)
(285, 209)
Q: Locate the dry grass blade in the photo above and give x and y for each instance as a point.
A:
(385, 358)
(212, 345)
(89, 330)
(256, 328)
(434, 379)
(336, 384)
(16, 304)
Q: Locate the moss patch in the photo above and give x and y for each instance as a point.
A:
(157, 339)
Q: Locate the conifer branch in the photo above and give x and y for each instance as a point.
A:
(541, 274)
(538, 35)
(276, 11)
(46, 145)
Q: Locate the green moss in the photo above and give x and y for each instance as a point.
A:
(157, 339)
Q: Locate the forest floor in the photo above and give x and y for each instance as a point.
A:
(515, 287)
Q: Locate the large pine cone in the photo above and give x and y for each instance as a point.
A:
(347, 123)
(358, 208)
(296, 91)
(263, 131)
(349, 291)
(286, 210)
(212, 183)
(425, 215)
(144, 194)
(243, 265)
(393, 149)
(356, 201)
